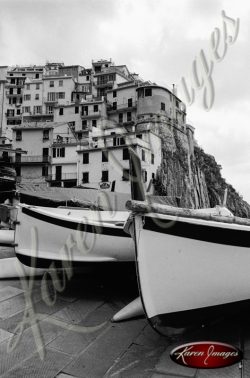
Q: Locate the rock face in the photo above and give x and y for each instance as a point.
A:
(188, 177)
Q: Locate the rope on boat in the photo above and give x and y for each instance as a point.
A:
(145, 207)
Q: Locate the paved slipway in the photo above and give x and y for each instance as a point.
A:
(127, 349)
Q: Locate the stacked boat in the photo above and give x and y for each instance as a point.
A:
(191, 264)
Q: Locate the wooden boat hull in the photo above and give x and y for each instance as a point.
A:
(76, 235)
(190, 269)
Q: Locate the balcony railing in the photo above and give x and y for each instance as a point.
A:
(32, 114)
(103, 84)
(62, 177)
(121, 106)
(13, 116)
(91, 114)
(50, 101)
(64, 140)
(112, 141)
(13, 85)
(34, 159)
(8, 94)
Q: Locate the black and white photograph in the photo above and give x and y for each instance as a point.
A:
(124, 189)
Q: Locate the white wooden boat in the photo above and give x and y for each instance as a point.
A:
(192, 264)
(74, 234)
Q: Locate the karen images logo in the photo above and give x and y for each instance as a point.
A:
(206, 355)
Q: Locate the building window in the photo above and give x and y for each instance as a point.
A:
(120, 117)
(87, 78)
(145, 175)
(139, 136)
(59, 152)
(118, 141)
(52, 96)
(45, 171)
(111, 77)
(37, 86)
(85, 177)
(125, 175)
(85, 159)
(61, 95)
(143, 155)
(105, 176)
(94, 124)
(79, 136)
(37, 75)
(105, 156)
(130, 102)
(125, 154)
(86, 88)
(49, 110)
(61, 111)
(95, 108)
(114, 94)
(18, 111)
(129, 116)
(76, 109)
(152, 158)
(26, 109)
(12, 81)
(62, 152)
(60, 83)
(114, 105)
(37, 96)
(84, 124)
(28, 87)
(45, 134)
(27, 97)
(10, 113)
(85, 110)
(163, 106)
(37, 110)
(18, 135)
(148, 92)
(51, 84)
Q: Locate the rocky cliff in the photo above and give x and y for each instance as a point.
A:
(189, 177)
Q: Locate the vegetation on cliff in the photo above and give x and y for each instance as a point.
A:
(188, 177)
(216, 185)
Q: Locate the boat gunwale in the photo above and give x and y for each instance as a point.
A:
(42, 210)
(145, 208)
(204, 232)
(106, 229)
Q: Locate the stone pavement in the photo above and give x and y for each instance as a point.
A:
(127, 349)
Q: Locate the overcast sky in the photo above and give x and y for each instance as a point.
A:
(159, 39)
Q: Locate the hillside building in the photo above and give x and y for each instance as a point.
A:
(77, 123)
